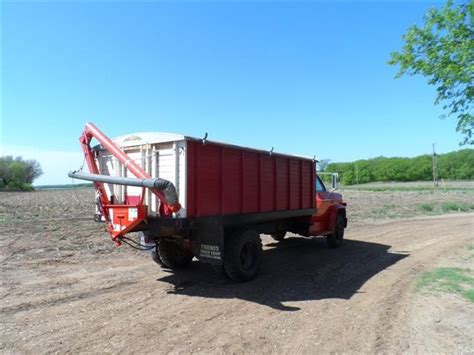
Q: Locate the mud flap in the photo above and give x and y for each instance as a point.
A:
(208, 246)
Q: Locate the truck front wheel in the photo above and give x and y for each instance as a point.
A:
(173, 255)
(335, 240)
(242, 255)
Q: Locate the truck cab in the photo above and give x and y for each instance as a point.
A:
(329, 218)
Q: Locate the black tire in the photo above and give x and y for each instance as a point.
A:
(279, 236)
(155, 255)
(242, 255)
(173, 255)
(335, 240)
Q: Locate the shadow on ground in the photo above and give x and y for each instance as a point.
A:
(296, 269)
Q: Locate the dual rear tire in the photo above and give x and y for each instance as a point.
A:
(171, 254)
(242, 255)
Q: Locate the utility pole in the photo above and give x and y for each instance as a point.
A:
(435, 168)
(357, 174)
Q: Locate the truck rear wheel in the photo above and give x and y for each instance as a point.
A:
(242, 255)
(173, 255)
(156, 256)
(335, 240)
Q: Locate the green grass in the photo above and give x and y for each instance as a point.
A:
(427, 207)
(450, 280)
(446, 207)
(3, 219)
(456, 206)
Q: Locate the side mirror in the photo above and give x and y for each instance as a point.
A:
(334, 181)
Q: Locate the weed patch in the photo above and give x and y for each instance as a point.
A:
(427, 207)
(448, 279)
(3, 219)
(456, 206)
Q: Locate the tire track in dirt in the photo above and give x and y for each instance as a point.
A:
(388, 328)
(392, 289)
(23, 307)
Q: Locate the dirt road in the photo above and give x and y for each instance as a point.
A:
(60, 294)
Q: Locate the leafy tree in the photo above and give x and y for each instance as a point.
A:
(348, 177)
(362, 172)
(322, 164)
(457, 165)
(33, 170)
(18, 174)
(443, 51)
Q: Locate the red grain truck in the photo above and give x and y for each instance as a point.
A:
(192, 197)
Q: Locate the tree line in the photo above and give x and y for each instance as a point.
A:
(18, 174)
(457, 165)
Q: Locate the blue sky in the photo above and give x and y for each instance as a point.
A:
(307, 78)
